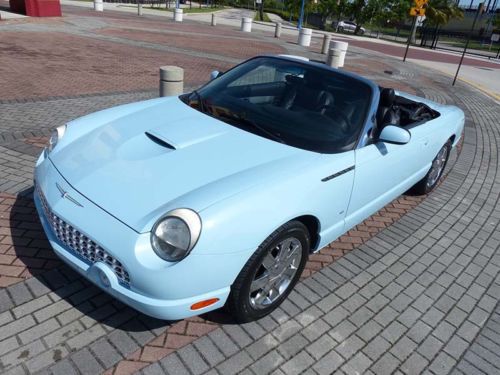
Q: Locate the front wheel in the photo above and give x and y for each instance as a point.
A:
(431, 179)
(271, 273)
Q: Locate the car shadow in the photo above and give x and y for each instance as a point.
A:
(34, 252)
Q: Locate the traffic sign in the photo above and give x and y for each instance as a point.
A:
(420, 3)
(417, 12)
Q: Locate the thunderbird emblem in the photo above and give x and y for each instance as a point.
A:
(65, 195)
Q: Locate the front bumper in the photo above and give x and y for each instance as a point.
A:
(157, 288)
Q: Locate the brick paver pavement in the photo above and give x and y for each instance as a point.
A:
(412, 289)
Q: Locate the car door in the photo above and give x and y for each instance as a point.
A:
(334, 178)
(383, 171)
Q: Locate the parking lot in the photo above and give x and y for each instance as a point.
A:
(413, 289)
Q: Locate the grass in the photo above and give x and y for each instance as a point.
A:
(473, 44)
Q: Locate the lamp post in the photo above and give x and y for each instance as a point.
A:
(301, 17)
(480, 11)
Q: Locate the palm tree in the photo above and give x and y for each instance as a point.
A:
(439, 13)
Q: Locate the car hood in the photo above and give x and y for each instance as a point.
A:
(140, 164)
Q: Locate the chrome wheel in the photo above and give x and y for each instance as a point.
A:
(275, 273)
(437, 166)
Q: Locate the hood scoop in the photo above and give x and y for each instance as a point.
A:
(159, 141)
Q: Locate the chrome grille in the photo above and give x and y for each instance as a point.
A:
(80, 244)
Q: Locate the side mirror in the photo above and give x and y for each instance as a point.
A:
(214, 74)
(394, 134)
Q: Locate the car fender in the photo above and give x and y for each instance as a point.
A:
(243, 221)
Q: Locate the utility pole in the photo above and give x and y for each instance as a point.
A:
(480, 10)
(417, 10)
(413, 24)
(301, 17)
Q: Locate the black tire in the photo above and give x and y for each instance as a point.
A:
(340, 29)
(429, 182)
(239, 301)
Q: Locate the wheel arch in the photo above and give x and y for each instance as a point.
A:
(313, 226)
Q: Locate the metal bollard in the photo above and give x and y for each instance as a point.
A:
(98, 5)
(178, 15)
(277, 30)
(342, 47)
(139, 8)
(246, 24)
(305, 37)
(334, 56)
(171, 80)
(214, 20)
(326, 44)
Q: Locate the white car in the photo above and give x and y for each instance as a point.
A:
(347, 26)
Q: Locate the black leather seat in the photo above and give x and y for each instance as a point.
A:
(386, 114)
(307, 95)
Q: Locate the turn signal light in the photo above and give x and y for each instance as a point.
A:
(202, 304)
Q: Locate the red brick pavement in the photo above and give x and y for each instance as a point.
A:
(38, 65)
(237, 48)
(24, 249)
(421, 54)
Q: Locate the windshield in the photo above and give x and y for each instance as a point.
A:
(289, 102)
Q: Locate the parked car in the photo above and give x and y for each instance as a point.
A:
(180, 205)
(348, 26)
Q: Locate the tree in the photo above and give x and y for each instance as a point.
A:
(327, 8)
(496, 21)
(439, 13)
(363, 11)
(397, 12)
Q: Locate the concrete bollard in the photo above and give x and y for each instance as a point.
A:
(326, 44)
(214, 20)
(171, 80)
(342, 47)
(246, 24)
(178, 15)
(98, 5)
(139, 8)
(333, 59)
(305, 37)
(277, 30)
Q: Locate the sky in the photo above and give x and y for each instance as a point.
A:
(475, 3)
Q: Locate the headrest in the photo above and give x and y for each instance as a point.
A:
(387, 97)
(290, 78)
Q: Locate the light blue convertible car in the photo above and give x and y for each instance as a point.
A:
(181, 205)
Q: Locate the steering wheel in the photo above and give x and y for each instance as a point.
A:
(325, 101)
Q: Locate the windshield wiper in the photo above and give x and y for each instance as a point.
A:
(253, 124)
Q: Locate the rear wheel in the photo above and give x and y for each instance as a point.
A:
(431, 179)
(271, 273)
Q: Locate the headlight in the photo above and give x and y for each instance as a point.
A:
(55, 137)
(175, 234)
